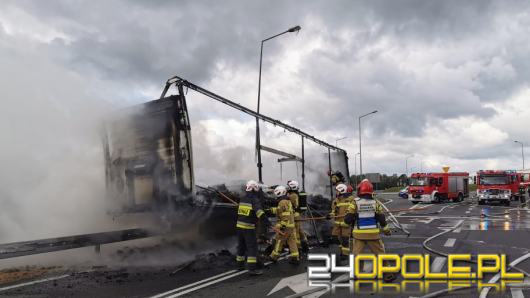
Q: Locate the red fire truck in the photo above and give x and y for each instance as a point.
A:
(500, 186)
(438, 187)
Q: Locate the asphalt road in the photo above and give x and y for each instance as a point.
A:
(503, 230)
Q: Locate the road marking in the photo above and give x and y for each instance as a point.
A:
(33, 282)
(458, 230)
(297, 283)
(450, 242)
(467, 212)
(425, 221)
(206, 282)
(415, 206)
(438, 263)
(494, 279)
(194, 284)
(518, 292)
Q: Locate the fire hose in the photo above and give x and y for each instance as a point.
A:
(394, 220)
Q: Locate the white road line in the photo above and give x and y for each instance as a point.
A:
(438, 264)
(494, 279)
(467, 212)
(518, 292)
(33, 282)
(215, 281)
(414, 206)
(194, 284)
(206, 282)
(450, 242)
(458, 230)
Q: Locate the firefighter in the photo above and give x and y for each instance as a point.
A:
(301, 237)
(337, 178)
(366, 216)
(341, 230)
(248, 213)
(285, 227)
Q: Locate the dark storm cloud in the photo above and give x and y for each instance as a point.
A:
(414, 61)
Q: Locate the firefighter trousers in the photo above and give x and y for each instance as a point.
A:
(289, 238)
(247, 246)
(342, 235)
(375, 246)
(300, 235)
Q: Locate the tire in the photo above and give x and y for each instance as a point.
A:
(481, 202)
(413, 202)
(436, 199)
(507, 203)
(460, 197)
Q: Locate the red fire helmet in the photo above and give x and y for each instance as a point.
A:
(365, 187)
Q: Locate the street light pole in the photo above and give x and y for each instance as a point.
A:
(407, 164)
(258, 136)
(522, 150)
(360, 146)
(355, 158)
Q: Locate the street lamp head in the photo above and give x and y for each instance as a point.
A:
(374, 112)
(294, 29)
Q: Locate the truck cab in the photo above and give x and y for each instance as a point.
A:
(500, 186)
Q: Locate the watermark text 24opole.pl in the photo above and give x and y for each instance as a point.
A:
(462, 270)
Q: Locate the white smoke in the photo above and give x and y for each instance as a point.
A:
(52, 174)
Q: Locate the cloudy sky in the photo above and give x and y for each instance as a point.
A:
(449, 79)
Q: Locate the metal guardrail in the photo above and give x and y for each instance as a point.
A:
(24, 248)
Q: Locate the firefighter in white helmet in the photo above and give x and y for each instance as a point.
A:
(341, 231)
(285, 227)
(248, 213)
(301, 238)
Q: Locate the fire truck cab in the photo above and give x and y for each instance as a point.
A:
(499, 186)
(438, 187)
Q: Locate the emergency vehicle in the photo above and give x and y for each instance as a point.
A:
(438, 187)
(499, 186)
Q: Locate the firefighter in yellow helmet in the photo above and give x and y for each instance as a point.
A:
(301, 238)
(248, 213)
(285, 227)
(341, 230)
(366, 217)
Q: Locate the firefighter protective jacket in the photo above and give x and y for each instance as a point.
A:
(367, 217)
(248, 211)
(339, 207)
(295, 200)
(285, 213)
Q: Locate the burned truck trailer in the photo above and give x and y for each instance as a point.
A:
(149, 164)
(149, 168)
(148, 155)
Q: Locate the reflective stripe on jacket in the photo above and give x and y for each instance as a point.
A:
(248, 211)
(339, 207)
(366, 227)
(285, 213)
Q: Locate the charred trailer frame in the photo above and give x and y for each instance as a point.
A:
(148, 155)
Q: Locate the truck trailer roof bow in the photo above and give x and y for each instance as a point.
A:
(150, 170)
